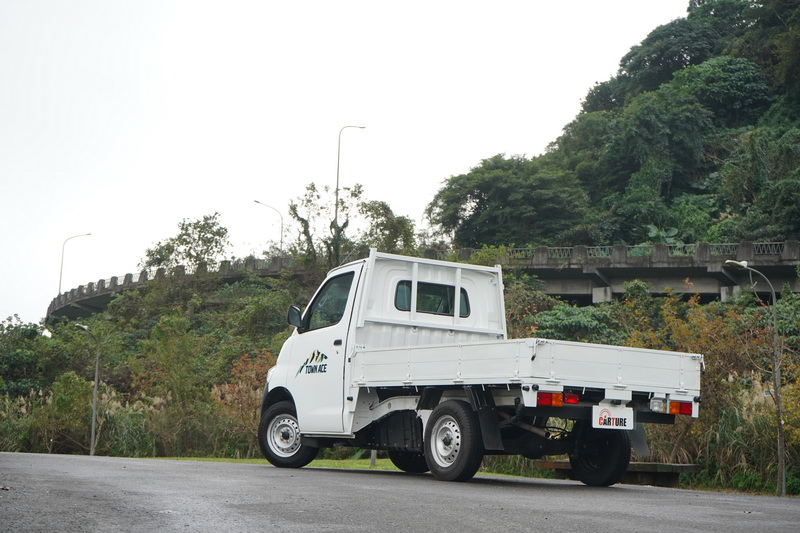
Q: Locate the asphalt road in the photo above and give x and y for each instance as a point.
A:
(80, 493)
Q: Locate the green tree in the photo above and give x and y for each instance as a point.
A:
(198, 242)
(604, 96)
(667, 49)
(760, 182)
(506, 201)
(384, 230)
(322, 233)
(661, 143)
(20, 369)
(582, 148)
(733, 89)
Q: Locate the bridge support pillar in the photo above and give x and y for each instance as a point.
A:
(727, 294)
(601, 294)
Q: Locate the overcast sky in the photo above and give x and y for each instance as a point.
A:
(121, 118)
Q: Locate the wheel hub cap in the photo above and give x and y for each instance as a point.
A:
(447, 441)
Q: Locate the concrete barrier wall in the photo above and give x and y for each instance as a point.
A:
(595, 272)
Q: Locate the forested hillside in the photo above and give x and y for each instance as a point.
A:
(697, 138)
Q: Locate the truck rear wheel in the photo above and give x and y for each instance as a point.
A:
(279, 437)
(453, 446)
(409, 461)
(602, 455)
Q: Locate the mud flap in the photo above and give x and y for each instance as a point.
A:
(483, 404)
(639, 441)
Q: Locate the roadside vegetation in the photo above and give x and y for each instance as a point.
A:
(697, 138)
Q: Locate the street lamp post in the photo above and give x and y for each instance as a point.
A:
(338, 158)
(337, 230)
(279, 214)
(96, 381)
(776, 372)
(61, 271)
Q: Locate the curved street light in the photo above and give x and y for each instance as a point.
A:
(61, 271)
(280, 215)
(776, 371)
(96, 380)
(338, 158)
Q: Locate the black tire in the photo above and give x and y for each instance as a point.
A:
(279, 437)
(602, 455)
(409, 461)
(453, 445)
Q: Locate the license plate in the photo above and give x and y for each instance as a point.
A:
(607, 416)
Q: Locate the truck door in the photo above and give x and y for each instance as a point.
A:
(319, 350)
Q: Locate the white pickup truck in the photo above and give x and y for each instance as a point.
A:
(410, 355)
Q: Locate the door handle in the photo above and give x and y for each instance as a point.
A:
(337, 342)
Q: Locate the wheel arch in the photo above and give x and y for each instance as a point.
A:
(278, 394)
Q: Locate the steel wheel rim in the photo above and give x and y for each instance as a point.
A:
(593, 459)
(284, 436)
(446, 443)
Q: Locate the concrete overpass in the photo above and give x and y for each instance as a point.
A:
(592, 274)
(580, 274)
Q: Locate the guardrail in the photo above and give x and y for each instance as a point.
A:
(94, 296)
(723, 250)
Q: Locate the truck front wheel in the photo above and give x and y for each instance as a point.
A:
(279, 437)
(453, 446)
(601, 456)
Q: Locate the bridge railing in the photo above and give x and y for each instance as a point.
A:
(730, 249)
(530, 257)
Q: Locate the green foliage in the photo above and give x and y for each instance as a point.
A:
(329, 236)
(386, 231)
(524, 298)
(16, 421)
(733, 89)
(693, 215)
(491, 255)
(323, 222)
(63, 423)
(198, 242)
(761, 179)
(667, 49)
(505, 200)
(19, 361)
(584, 324)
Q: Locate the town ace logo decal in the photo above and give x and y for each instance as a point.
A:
(315, 364)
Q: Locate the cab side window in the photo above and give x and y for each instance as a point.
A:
(329, 306)
(432, 298)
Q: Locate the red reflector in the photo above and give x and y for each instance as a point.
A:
(571, 398)
(544, 398)
(680, 408)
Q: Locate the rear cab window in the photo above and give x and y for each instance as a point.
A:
(432, 298)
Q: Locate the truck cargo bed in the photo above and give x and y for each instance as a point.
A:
(530, 361)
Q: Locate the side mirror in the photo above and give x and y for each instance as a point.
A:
(294, 316)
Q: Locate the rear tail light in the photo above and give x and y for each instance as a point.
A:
(571, 398)
(556, 399)
(680, 408)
